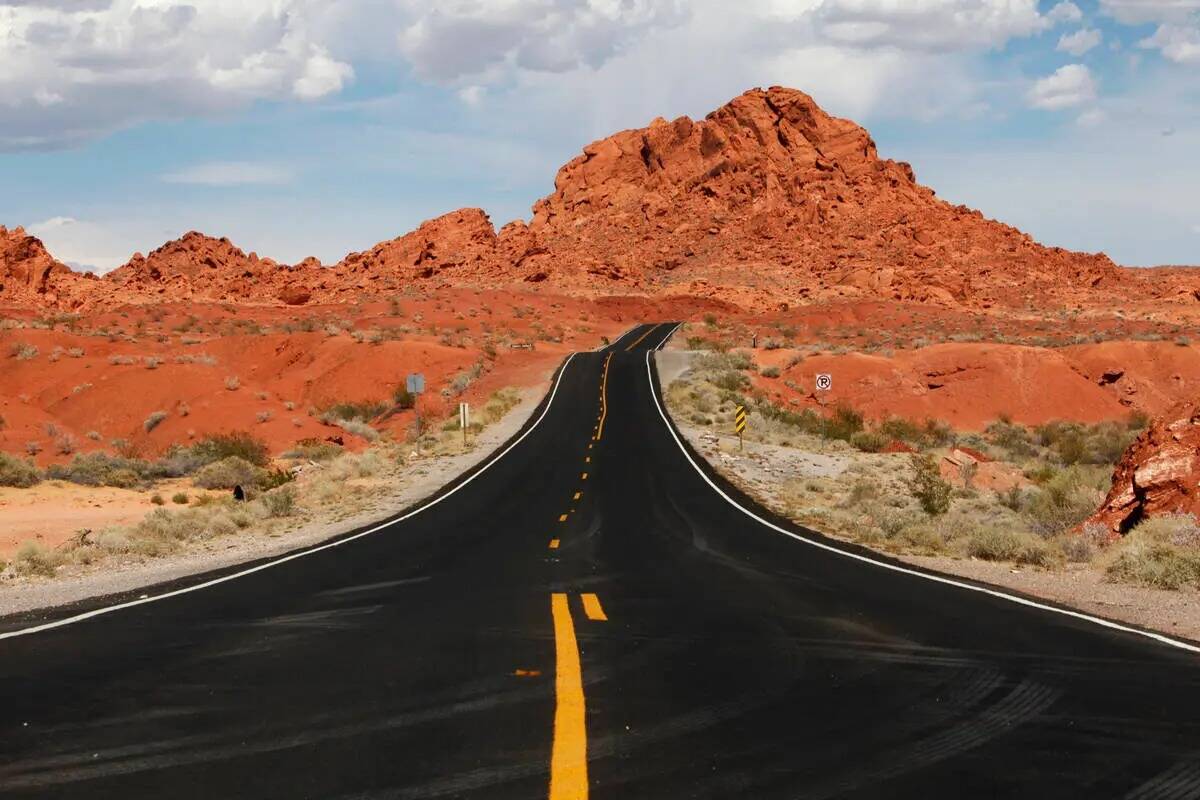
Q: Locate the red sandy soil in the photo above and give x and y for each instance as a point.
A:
(107, 372)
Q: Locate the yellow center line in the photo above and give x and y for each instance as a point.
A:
(640, 338)
(554, 544)
(563, 518)
(568, 758)
(583, 477)
(577, 495)
(603, 399)
(593, 609)
(587, 459)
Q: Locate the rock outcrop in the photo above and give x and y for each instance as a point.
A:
(765, 203)
(29, 274)
(1159, 473)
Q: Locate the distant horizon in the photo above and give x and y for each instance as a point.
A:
(295, 129)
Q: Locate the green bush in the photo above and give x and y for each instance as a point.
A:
(353, 411)
(1002, 544)
(1062, 502)
(927, 486)
(228, 473)
(403, 398)
(102, 469)
(314, 450)
(179, 498)
(869, 441)
(1157, 565)
(844, 423)
(17, 473)
(219, 446)
(770, 372)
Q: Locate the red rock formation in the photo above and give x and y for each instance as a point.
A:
(1159, 473)
(768, 202)
(29, 274)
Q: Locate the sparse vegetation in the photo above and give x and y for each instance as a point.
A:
(154, 420)
(17, 473)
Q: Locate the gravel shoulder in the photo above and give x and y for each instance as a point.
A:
(760, 469)
(384, 499)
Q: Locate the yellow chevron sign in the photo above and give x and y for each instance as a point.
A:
(739, 419)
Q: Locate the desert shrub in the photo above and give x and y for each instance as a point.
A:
(229, 472)
(17, 473)
(154, 420)
(233, 383)
(731, 381)
(179, 498)
(35, 559)
(500, 403)
(279, 502)
(927, 486)
(1013, 439)
(219, 446)
(992, 543)
(770, 372)
(157, 499)
(844, 423)
(263, 416)
(361, 411)
(102, 469)
(274, 478)
(403, 398)
(358, 428)
(1062, 502)
(902, 430)
(313, 450)
(23, 351)
(1157, 566)
(869, 441)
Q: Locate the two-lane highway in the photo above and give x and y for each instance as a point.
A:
(590, 614)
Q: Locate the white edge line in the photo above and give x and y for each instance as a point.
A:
(1012, 598)
(301, 554)
(614, 341)
(667, 338)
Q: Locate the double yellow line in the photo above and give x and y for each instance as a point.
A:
(603, 399)
(642, 337)
(568, 758)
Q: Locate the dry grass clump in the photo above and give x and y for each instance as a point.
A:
(17, 473)
(1162, 552)
(229, 472)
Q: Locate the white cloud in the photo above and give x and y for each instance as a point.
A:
(463, 38)
(1069, 87)
(82, 244)
(322, 75)
(73, 71)
(1080, 41)
(230, 173)
(1136, 12)
(472, 95)
(1091, 118)
(929, 24)
(1065, 12)
(1178, 43)
(1196, 229)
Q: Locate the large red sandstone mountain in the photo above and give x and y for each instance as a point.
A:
(29, 274)
(767, 201)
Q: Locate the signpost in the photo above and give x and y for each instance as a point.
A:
(464, 418)
(739, 424)
(824, 384)
(415, 384)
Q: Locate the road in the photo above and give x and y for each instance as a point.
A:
(587, 616)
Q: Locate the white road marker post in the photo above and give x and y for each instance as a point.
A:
(464, 419)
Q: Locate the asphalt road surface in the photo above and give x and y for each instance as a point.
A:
(589, 615)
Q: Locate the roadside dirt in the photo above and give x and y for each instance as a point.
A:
(762, 468)
(385, 496)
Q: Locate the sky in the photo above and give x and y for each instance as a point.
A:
(298, 127)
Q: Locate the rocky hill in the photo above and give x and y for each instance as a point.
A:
(766, 202)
